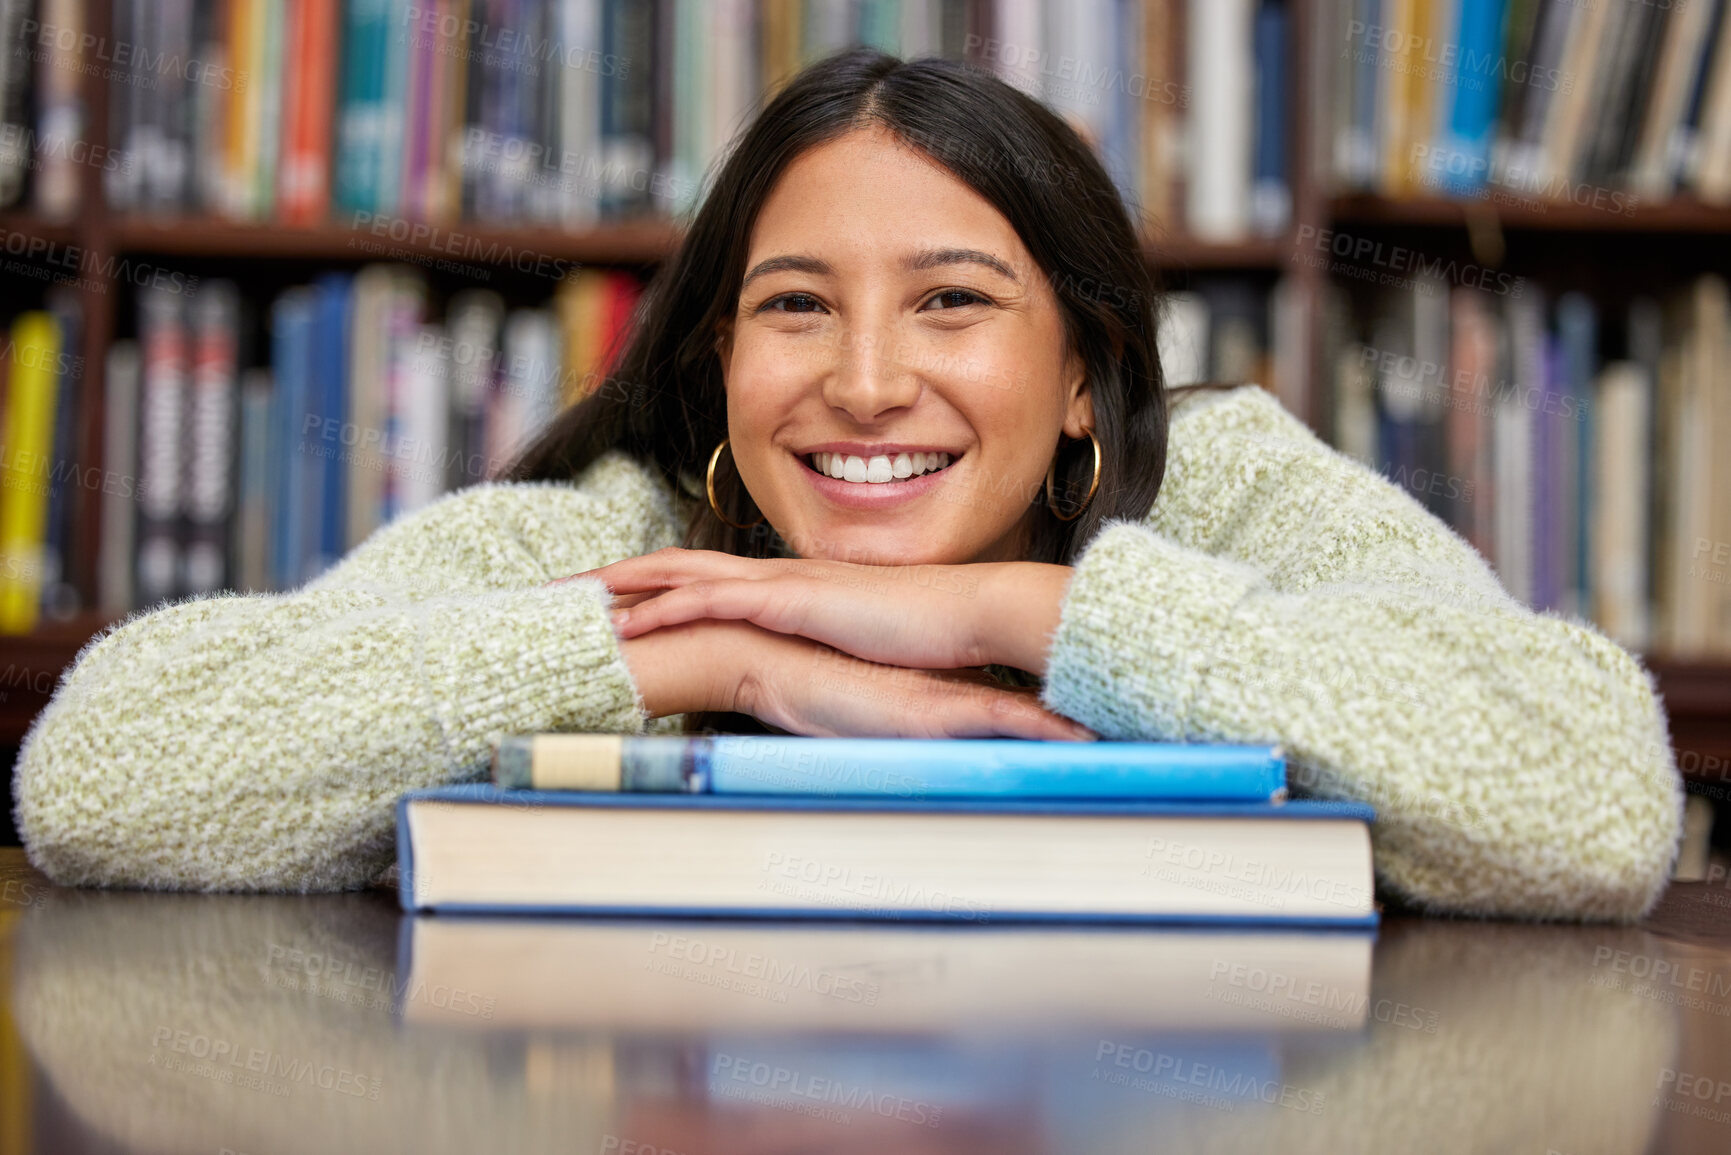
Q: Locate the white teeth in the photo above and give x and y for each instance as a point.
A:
(879, 469)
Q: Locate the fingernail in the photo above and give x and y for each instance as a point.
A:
(620, 617)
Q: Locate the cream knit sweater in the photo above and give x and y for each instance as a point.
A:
(1277, 592)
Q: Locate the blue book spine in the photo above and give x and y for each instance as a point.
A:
(993, 768)
(1545, 494)
(291, 340)
(1578, 334)
(1271, 198)
(1474, 91)
(330, 361)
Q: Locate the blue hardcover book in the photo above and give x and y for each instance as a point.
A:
(328, 529)
(907, 768)
(479, 849)
(293, 476)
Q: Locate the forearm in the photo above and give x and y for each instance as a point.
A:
(1517, 762)
(258, 743)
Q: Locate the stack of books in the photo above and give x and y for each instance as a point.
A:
(954, 830)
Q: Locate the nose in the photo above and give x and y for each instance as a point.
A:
(866, 378)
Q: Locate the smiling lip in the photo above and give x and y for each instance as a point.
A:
(868, 495)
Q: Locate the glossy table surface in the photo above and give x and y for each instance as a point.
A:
(267, 1025)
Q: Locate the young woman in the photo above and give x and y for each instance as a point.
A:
(898, 398)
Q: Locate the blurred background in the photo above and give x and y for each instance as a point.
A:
(276, 272)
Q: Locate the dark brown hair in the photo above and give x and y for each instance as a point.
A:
(663, 402)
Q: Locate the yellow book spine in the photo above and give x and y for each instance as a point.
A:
(242, 113)
(30, 406)
(581, 301)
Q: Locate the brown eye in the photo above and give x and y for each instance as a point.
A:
(795, 303)
(957, 298)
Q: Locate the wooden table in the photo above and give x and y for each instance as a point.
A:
(171, 1022)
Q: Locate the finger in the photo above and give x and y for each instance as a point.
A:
(770, 605)
(672, 567)
(988, 712)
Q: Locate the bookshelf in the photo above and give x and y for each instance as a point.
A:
(1697, 693)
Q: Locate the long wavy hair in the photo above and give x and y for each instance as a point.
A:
(663, 401)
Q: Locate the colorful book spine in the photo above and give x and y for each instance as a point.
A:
(293, 471)
(32, 395)
(121, 378)
(364, 116)
(330, 439)
(304, 190)
(60, 598)
(207, 504)
(161, 448)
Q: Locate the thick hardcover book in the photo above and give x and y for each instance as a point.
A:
(476, 849)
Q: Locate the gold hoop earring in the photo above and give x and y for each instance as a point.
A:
(709, 484)
(1092, 486)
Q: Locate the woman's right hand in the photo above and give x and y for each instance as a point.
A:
(804, 687)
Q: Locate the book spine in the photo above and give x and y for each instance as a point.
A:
(332, 437)
(15, 122)
(253, 513)
(161, 448)
(32, 397)
(361, 114)
(1220, 68)
(1271, 196)
(120, 382)
(60, 597)
(292, 479)
(60, 110)
(211, 421)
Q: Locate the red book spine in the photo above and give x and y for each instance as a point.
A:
(309, 104)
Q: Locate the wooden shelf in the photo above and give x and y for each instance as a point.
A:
(1679, 215)
(1187, 253)
(30, 225)
(641, 241)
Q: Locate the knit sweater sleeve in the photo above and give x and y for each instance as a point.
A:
(259, 742)
(1281, 592)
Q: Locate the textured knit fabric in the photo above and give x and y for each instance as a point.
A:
(1277, 592)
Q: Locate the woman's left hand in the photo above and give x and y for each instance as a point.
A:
(917, 617)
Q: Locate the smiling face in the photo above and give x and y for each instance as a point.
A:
(890, 313)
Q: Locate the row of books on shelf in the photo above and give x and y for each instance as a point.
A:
(1595, 485)
(1185, 101)
(219, 474)
(1603, 105)
(563, 114)
(499, 111)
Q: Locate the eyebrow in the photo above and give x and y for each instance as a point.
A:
(918, 262)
